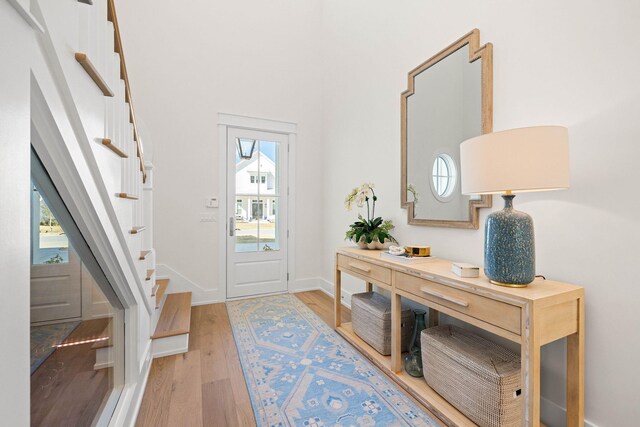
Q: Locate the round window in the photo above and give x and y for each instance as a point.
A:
(443, 176)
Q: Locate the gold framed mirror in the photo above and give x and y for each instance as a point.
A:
(448, 99)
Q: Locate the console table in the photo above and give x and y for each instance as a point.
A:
(543, 312)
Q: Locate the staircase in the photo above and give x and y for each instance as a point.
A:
(119, 149)
(99, 84)
(70, 77)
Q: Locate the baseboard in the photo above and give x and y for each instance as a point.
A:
(552, 414)
(200, 296)
(180, 283)
(555, 415)
(268, 294)
(205, 302)
(305, 285)
(327, 288)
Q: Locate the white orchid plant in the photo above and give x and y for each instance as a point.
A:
(371, 228)
(412, 190)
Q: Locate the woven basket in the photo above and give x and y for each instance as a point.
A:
(371, 321)
(477, 376)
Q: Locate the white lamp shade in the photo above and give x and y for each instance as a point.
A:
(517, 160)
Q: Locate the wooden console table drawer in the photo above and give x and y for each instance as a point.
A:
(498, 313)
(374, 272)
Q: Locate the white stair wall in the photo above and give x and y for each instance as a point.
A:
(86, 116)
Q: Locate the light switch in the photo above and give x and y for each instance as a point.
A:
(207, 217)
(211, 202)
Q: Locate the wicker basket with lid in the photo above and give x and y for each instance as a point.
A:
(371, 321)
(477, 376)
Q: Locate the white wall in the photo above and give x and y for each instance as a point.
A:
(186, 65)
(572, 63)
(14, 214)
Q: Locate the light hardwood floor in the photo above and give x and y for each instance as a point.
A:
(205, 386)
(65, 389)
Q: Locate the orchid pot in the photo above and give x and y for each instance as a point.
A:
(371, 232)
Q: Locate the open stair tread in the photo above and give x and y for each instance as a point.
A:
(127, 196)
(92, 71)
(137, 229)
(115, 149)
(175, 318)
(149, 274)
(143, 255)
(159, 292)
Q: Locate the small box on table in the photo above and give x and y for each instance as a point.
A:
(463, 269)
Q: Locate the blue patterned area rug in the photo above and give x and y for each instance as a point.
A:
(300, 372)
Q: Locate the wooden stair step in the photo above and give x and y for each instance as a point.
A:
(138, 229)
(175, 318)
(127, 196)
(149, 274)
(159, 292)
(143, 255)
(91, 70)
(111, 146)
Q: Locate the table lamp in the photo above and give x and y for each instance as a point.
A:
(508, 162)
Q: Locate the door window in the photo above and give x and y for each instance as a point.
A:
(258, 231)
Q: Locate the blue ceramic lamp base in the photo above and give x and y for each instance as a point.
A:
(509, 247)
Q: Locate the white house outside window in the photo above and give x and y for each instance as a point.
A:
(260, 170)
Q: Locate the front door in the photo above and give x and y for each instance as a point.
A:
(256, 212)
(55, 268)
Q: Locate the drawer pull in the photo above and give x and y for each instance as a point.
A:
(445, 297)
(363, 269)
